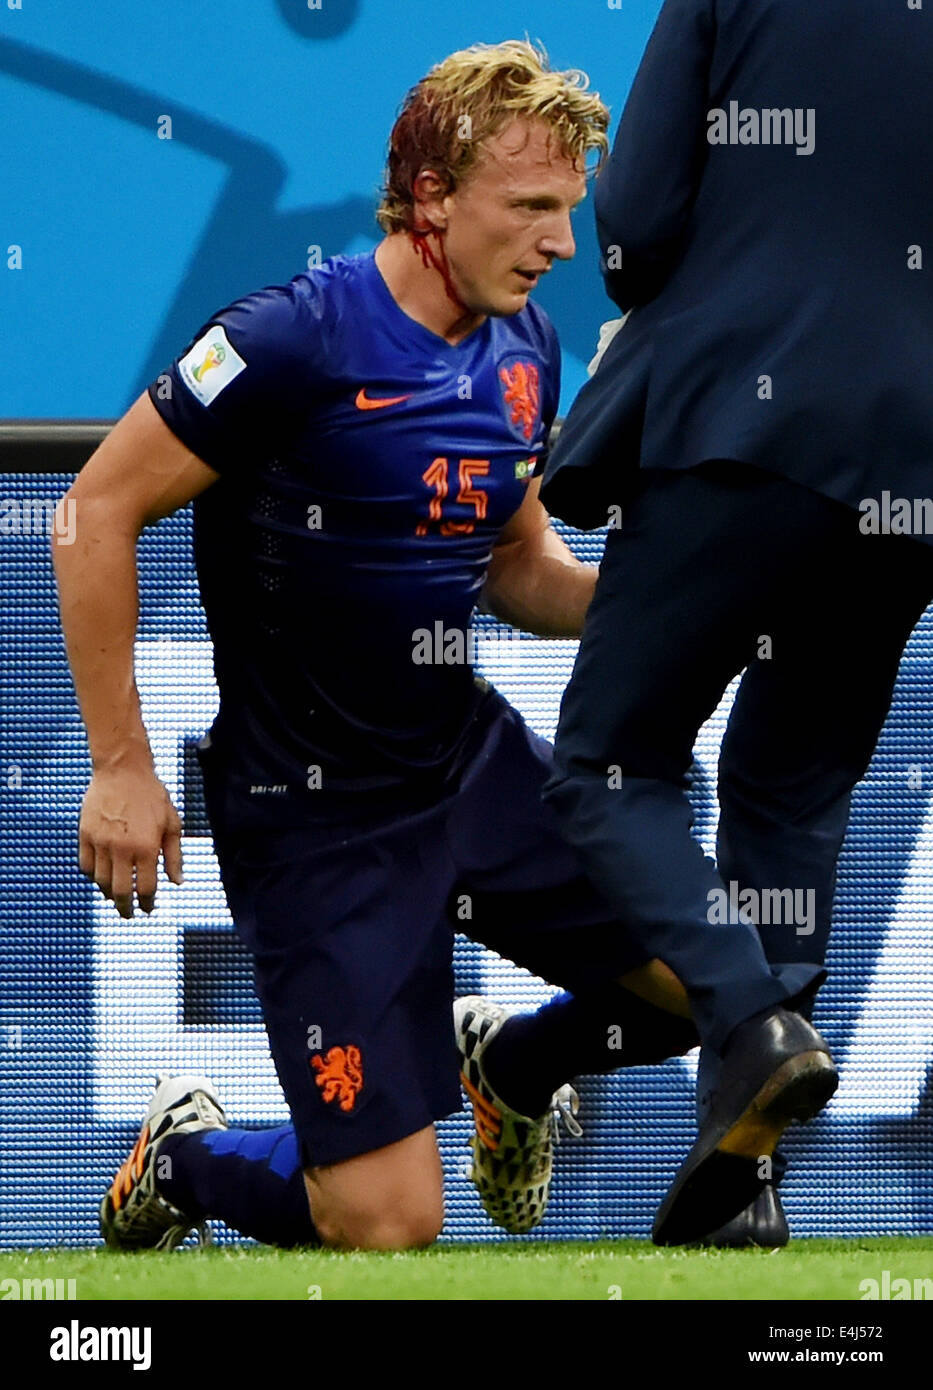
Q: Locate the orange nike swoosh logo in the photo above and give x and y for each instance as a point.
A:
(363, 401)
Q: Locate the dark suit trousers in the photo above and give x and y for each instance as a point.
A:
(708, 563)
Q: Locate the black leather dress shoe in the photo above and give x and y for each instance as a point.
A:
(762, 1223)
(775, 1069)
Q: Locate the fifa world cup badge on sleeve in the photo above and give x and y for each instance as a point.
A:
(210, 365)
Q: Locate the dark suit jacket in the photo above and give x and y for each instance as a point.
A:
(749, 261)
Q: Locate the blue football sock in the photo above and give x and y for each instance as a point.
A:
(251, 1179)
(576, 1034)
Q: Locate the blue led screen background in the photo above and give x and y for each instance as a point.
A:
(91, 1006)
(127, 242)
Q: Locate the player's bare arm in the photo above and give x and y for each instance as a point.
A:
(535, 582)
(139, 474)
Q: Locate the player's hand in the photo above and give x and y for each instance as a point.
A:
(127, 821)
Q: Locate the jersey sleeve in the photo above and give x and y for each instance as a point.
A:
(238, 390)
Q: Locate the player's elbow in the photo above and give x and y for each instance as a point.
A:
(102, 525)
(507, 580)
(64, 529)
(490, 606)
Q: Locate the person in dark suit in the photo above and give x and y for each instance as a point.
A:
(759, 437)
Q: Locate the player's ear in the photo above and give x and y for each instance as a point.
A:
(429, 190)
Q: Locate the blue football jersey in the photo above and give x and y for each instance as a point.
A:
(366, 468)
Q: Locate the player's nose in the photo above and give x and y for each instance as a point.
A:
(559, 243)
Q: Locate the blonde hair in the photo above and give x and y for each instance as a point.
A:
(470, 97)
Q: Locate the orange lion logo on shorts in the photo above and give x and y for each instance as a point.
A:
(340, 1075)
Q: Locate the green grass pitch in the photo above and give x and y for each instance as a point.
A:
(626, 1269)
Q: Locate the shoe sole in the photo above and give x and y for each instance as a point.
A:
(720, 1179)
(488, 1198)
(798, 1090)
(753, 1241)
(478, 1004)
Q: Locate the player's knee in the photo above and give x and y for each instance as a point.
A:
(362, 1228)
(404, 1231)
(391, 1198)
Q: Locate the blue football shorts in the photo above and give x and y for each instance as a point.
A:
(351, 918)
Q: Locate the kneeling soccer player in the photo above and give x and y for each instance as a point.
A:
(361, 445)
